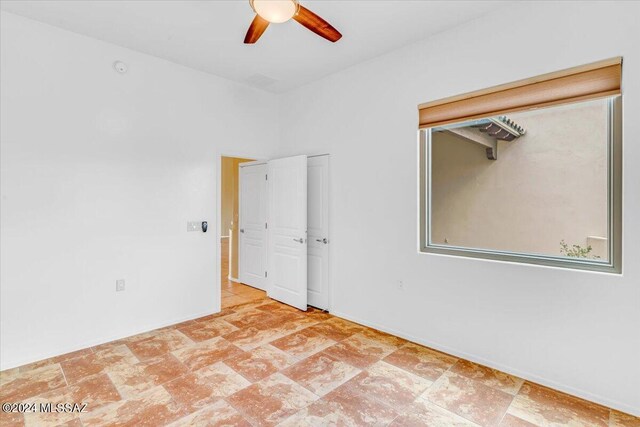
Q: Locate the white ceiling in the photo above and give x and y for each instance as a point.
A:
(208, 35)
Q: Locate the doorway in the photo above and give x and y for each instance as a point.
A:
(233, 292)
(274, 228)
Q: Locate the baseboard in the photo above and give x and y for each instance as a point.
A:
(508, 369)
(93, 343)
(233, 279)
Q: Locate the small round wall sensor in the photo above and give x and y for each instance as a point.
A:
(120, 67)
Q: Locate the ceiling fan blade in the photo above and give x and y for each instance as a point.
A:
(316, 24)
(257, 27)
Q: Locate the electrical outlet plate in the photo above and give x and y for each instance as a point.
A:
(193, 226)
(119, 285)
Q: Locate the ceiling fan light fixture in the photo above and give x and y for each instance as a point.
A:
(275, 11)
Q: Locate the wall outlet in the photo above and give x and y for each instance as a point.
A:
(193, 226)
(400, 285)
(119, 285)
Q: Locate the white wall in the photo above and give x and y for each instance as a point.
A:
(100, 173)
(576, 331)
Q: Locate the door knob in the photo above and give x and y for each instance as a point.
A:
(325, 241)
(299, 240)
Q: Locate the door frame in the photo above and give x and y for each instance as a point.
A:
(219, 156)
(246, 155)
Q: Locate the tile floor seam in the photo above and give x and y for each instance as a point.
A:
(566, 395)
(513, 397)
(241, 411)
(439, 376)
(447, 410)
(170, 393)
(180, 332)
(440, 406)
(298, 359)
(394, 419)
(304, 387)
(379, 400)
(511, 403)
(305, 406)
(515, 393)
(63, 375)
(239, 373)
(175, 402)
(114, 385)
(292, 415)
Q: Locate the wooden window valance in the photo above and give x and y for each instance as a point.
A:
(596, 80)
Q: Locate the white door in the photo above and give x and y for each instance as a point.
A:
(318, 231)
(287, 231)
(252, 264)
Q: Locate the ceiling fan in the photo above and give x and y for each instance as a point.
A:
(279, 11)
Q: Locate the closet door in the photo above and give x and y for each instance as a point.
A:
(318, 231)
(252, 263)
(287, 231)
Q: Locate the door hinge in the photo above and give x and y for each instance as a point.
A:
(266, 226)
(266, 177)
(265, 274)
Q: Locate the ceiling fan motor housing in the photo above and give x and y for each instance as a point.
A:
(275, 11)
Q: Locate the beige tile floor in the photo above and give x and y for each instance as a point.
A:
(237, 293)
(234, 293)
(264, 364)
